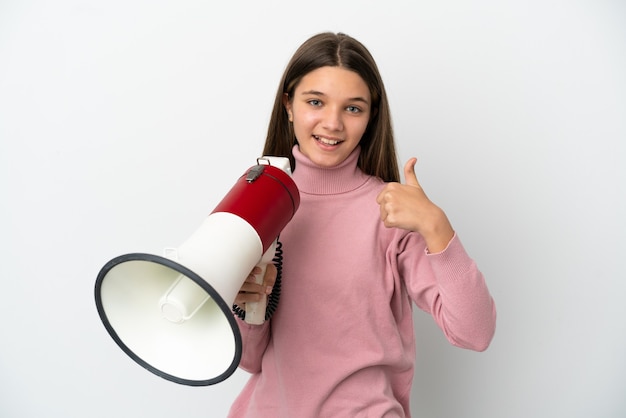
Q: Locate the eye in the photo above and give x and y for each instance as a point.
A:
(353, 109)
(315, 102)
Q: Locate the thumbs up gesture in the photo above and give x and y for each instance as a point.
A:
(406, 206)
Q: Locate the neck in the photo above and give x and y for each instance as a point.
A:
(313, 179)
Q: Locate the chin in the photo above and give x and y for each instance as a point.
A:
(328, 162)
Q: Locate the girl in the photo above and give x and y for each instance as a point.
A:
(359, 251)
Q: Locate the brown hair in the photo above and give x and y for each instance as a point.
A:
(378, 154)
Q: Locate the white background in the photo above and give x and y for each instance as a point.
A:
(124, 122)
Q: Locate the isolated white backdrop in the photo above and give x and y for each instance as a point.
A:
(122, 124)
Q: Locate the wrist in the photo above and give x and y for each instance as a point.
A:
(438, 235)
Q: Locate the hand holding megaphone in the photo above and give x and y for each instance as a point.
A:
(257, 288)
(173, 314)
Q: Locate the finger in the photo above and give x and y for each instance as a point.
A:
(380, 198)
(252, 288)
(382, 209)
(410, 177)
(384, 193)
(242, 298)
(250, 279)
(270, 275)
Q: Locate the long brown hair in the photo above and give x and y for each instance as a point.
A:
(378, 153)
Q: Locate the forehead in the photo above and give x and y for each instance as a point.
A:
(336, 82)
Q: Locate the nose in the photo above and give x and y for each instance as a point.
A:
(333, 119)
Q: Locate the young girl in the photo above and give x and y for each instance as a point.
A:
(359, 251)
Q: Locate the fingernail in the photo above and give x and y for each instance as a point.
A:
(268, 290)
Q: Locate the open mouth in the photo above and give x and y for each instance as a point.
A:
(326, 141)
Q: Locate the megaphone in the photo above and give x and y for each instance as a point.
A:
(172, 314)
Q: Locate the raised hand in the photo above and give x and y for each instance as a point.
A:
(406, 206)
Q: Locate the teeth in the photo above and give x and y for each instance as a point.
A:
(327, 141)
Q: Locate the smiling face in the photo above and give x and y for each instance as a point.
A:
(330, 110)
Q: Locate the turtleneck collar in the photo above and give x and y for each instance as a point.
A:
(313, 179)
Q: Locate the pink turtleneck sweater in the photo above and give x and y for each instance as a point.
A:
(341, 343)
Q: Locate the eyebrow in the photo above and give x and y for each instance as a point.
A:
(319, 93)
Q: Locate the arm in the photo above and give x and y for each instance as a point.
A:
(254, 342)
(448, 285)
(452, 289)
(254, 337)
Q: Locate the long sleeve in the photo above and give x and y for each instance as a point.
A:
(254, 342)
(453, 290)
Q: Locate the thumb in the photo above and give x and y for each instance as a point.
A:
(410, 179)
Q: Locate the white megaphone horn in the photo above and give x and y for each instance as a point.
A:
(173, 314)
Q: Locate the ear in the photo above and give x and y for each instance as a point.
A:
(287, 104)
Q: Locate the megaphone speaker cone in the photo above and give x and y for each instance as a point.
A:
(173, 316)
(202, 349)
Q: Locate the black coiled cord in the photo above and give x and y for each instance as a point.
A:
(272, 298)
